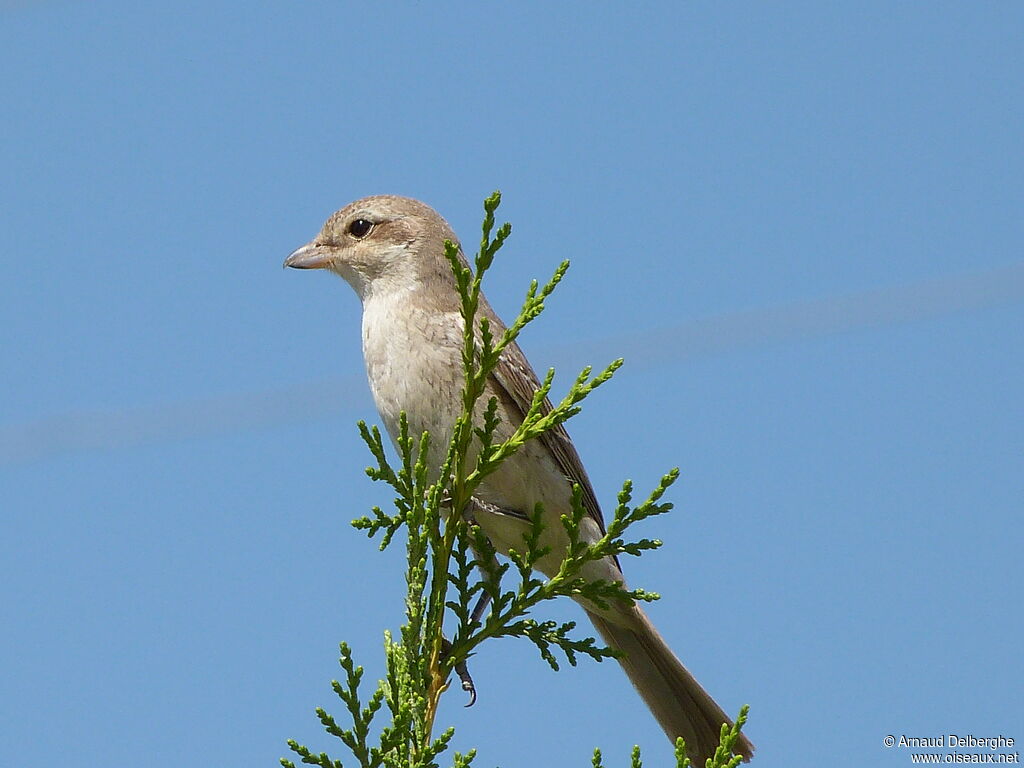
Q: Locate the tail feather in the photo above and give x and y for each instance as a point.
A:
(678, 702)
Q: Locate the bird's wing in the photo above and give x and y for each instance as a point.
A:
(517, 381)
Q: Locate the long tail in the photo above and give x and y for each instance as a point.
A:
(673, 695)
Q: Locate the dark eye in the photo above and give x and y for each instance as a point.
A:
(360, 228)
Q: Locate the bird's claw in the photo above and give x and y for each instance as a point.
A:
(467, 682)
(462, 670)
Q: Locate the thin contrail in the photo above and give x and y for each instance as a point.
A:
(123, 428)
(817, 317)
(80, 431)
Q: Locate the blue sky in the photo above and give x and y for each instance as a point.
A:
(800, 223)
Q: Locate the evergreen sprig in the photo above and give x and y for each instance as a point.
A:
(450, 563)
(722, 758)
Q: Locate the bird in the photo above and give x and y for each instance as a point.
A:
(391, 251)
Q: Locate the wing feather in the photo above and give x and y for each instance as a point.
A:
(515, 378)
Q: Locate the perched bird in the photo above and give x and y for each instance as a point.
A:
(391, 251)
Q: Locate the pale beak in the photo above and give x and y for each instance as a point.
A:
(309, 256)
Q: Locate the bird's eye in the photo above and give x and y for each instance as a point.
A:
(360, 228)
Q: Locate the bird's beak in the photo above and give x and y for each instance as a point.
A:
(309, 256)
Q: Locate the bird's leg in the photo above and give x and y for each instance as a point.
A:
(481, 605)
(487, 564)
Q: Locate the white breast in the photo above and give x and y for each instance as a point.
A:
(413, 363)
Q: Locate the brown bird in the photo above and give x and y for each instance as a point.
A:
(391, 251)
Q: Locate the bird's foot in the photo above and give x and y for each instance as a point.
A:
(462, 670)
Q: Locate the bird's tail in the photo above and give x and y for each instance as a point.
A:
(678, 702)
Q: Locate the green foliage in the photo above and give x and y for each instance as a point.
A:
(451, 563)
(723, 757)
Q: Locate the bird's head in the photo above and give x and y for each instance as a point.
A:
(381, 243)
